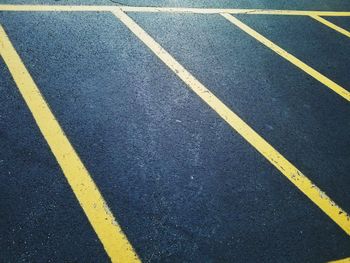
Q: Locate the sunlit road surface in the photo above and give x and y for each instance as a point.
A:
(174, 131)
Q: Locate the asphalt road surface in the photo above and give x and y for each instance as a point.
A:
(174, 135)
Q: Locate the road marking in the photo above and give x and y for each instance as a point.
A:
(292, 59)
(106, 227)
(103, 8)
(331, 25)
(345, 260)
(272, 155)
(232, 11)
(56, 8)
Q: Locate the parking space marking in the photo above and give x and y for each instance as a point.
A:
(292, 59)
(98, 8)
(344, 260)
(272, 155)
(102, 220)
(331, 25)
(232, 11)
(106, 227)
(56, 8)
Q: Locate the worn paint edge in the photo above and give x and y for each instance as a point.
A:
(92, 202)
(315, 194)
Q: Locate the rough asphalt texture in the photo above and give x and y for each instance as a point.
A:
(183, 185)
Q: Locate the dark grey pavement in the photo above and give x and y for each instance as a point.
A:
(183, 185)
(339, 5)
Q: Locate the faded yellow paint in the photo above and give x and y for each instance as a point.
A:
(107, 229)
(292, 59)
(56, 8)
(295, 176)
(345, 260)
(331, 25)
(231, 11)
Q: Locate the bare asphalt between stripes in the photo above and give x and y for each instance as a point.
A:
(182, 184)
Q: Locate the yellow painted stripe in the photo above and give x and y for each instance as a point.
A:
(92, 8)
(272, 155)
(84, 188)
(345, 260)
(331, 25)
(56, 8)
(292, 59)
(232, 11)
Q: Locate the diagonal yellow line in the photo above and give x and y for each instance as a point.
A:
(106, 227)
(345, 260)
(271, 154)
(331, 25)
(292, 59)
(153, 9)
